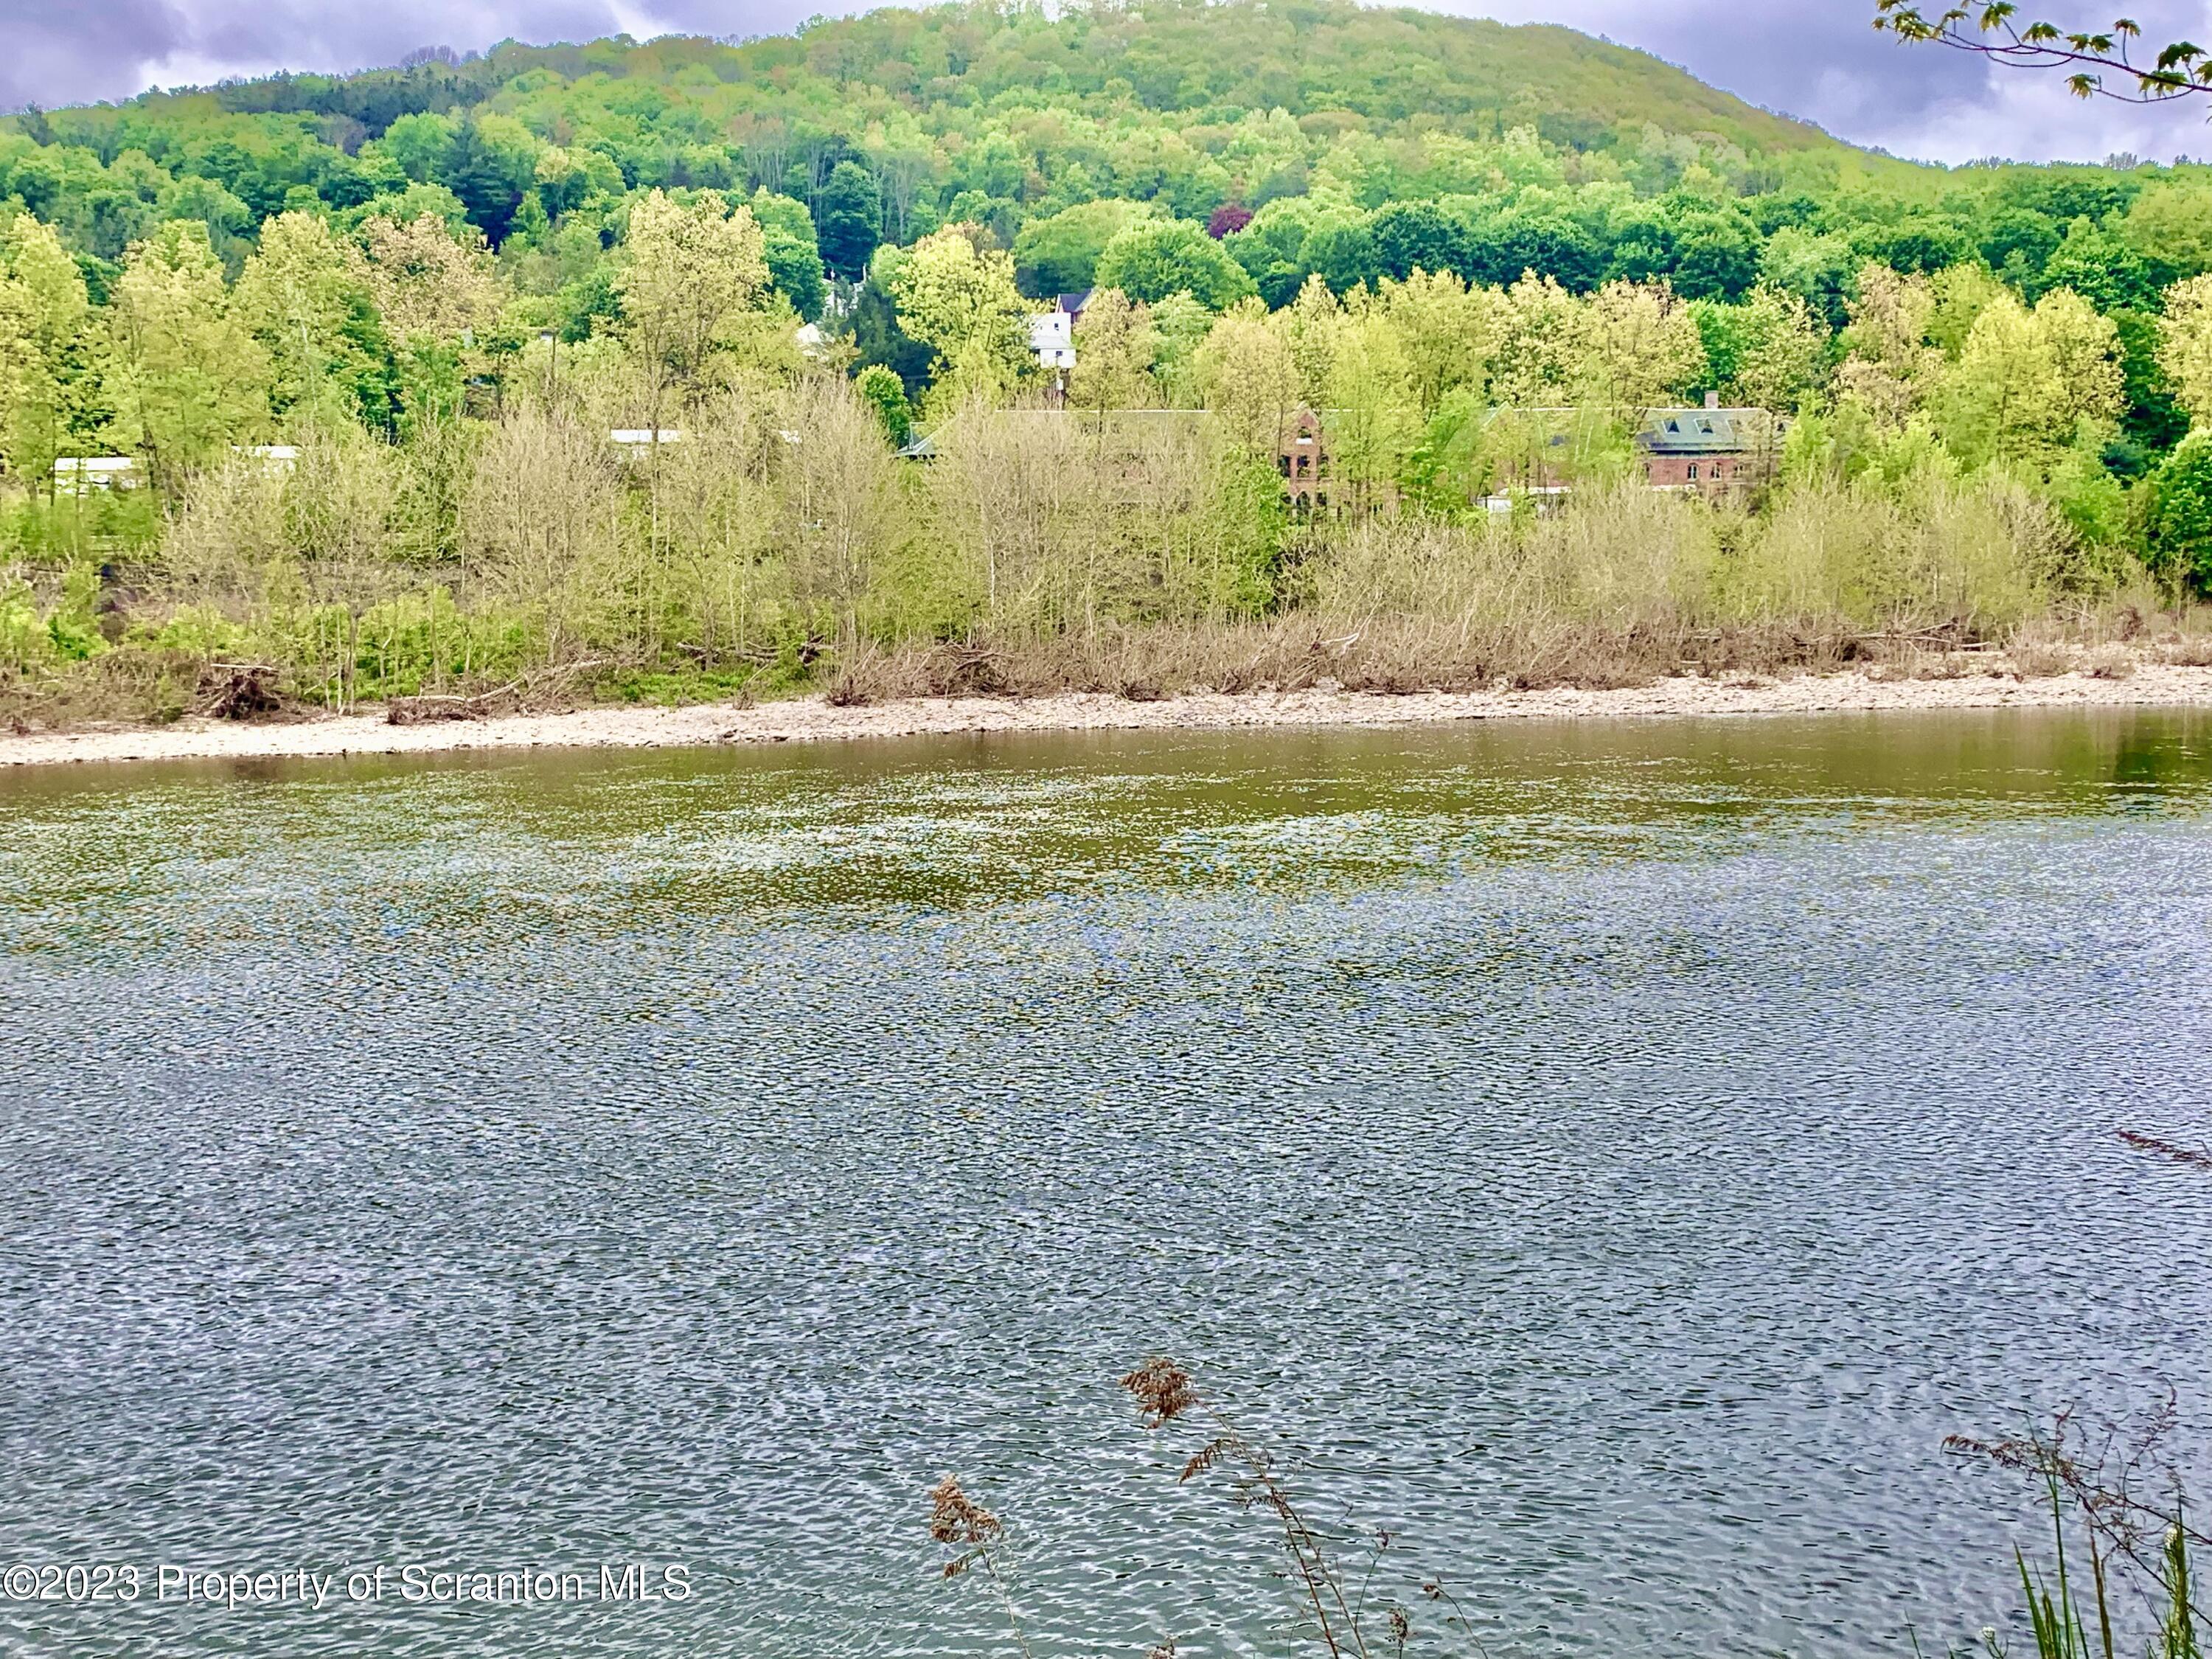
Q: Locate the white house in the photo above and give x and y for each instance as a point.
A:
(1052, 337)
(76, 474)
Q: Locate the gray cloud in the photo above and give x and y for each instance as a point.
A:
(1822, 60)
(1819, 59)
(83, 51)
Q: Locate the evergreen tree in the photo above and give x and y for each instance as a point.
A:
(880, 340)
(2153, 421)
(849, 219)
(484, 180)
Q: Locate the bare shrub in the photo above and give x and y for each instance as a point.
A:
(2034, 657)
(1137, 554)
(842, 507)
(1625, 559)
(2110, 662)
(1975, 559)
(1047, 527)
(2188, 651)
(541, 525)
(229, 526)
(715, 574)
(343, 497)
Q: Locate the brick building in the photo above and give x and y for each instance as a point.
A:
(1302, 459)
(1714, 451)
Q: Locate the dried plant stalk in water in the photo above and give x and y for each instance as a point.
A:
(1165, 1393)
(956, 1519)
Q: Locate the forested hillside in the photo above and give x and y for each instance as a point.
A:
(1025, 114)
(994, 115)
(446, 283)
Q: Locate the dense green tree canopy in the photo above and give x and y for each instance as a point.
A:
(1421, 217)
(1152, 259)
(1362, 142)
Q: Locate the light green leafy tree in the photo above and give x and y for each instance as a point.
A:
(430, 282)
(2185, 345)
(1373, 420)
(1447, 330)
(1638, 346)
(438, 299)
(44, 314)
(2025, 380)
(689, 274)
(1780, 348)
(1114, 354)
(1180, 327)
(1539, 344)
(184, 376)
(306, 296)
(1309, 324)
(960, 300)
(1244, 371)
(1961, 293)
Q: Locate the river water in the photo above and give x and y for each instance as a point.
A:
(1608, 1157)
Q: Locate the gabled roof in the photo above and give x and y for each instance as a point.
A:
(1705, 431)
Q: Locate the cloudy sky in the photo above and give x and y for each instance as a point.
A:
(1815, 59)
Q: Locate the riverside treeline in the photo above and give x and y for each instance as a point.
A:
(1989, 398)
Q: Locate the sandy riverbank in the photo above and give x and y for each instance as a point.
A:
(812, 720)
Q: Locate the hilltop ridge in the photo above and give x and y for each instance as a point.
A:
(1217, 58)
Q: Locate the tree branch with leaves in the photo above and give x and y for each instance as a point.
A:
(2105, 65)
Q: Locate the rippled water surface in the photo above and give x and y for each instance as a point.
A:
(1609, 1157)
